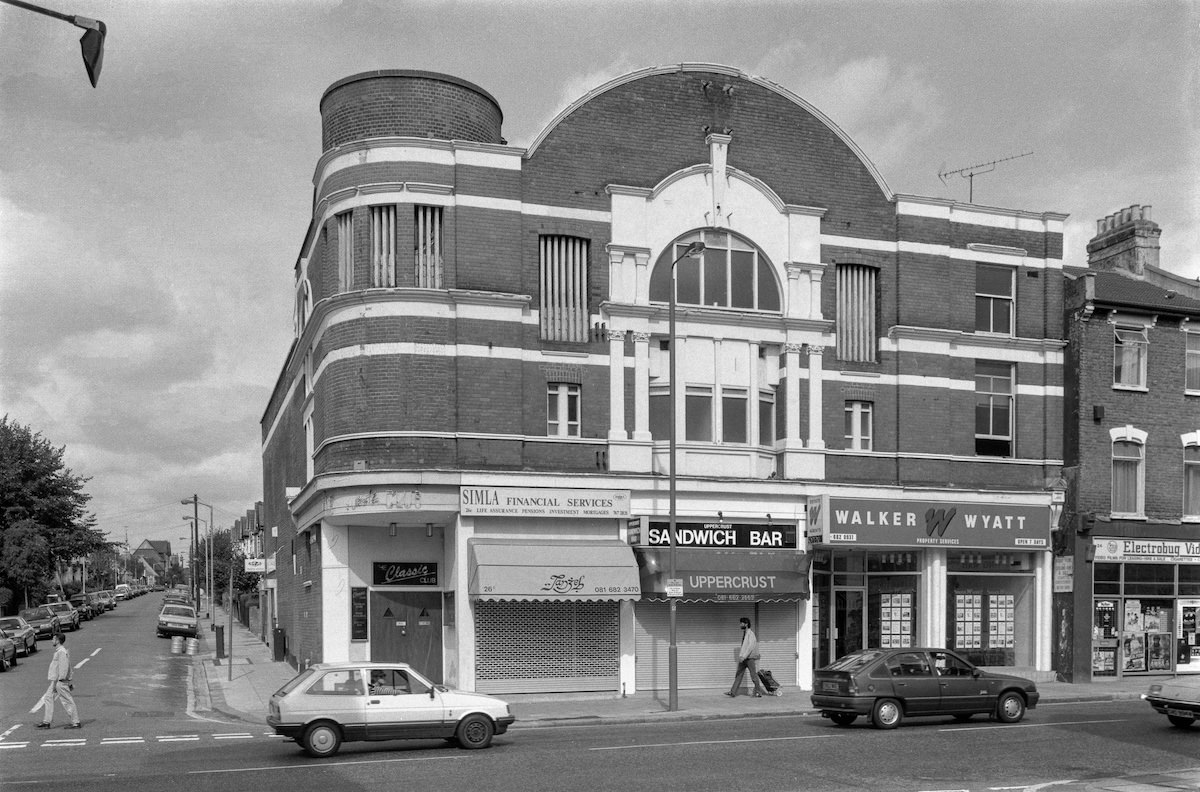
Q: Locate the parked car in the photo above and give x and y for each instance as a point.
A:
(1178, 699)
(331, 703)
(21, 632)
(888, 685)
(176, 619)
(8, 651)
(43, 621)
(80, 603)
(68, 617)
(107, 598)
(96, 603)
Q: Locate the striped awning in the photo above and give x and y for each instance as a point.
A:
(553, 571)
(726, 574)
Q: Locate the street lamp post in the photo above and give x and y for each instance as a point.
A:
(208, 562)
(196, 504)
(693, 250)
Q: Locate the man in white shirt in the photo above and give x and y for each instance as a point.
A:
(59, 676)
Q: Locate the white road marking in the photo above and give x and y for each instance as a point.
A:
(13, 745)
(1034, 787)
(1031, 725)
(98, 651)
(178, 738)
(122, 740)
(237, 736)
(63, 743)
(714, 742)
(10, 730)
(310, 767)
(81, 662)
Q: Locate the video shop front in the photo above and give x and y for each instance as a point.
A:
(727, 570)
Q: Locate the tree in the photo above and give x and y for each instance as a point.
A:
(43, 521)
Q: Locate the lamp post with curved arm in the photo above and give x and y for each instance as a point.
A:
(692, 251)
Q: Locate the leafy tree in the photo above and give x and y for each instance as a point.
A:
(43, 521)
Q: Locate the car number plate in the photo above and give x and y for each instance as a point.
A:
(1181, 713)
(832, 686)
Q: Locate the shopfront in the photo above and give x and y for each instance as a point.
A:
(972, 576)
(723, 571)
(547, 574)
(1145, 603)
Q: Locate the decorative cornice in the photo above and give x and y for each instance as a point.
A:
(957, 338)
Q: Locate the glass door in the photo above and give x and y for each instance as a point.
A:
(848, 620)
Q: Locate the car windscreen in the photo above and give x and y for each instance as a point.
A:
(294, 682)
(854, 661)
(10, 624)
(177, 610)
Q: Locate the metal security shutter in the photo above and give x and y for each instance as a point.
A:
(708, 638)
(777, 632)
(541, 647)
(707, 635)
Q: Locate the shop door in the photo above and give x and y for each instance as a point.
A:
(406, 627)
(848, 621)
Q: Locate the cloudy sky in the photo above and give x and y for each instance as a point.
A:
(148, 227)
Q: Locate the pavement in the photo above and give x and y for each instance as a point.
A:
(239, 687)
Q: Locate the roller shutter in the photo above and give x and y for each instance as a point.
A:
(708, 638)
(543, 647)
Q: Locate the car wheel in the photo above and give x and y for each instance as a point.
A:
(1010, 708)
(475, 731)
(843, 718)
(887, 713)
(1181, 721)
(322, 739)
(3, 663)
(33, 646)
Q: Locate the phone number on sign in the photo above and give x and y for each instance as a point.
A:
(617, 590)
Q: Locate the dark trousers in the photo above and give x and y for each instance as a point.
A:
(751, 664)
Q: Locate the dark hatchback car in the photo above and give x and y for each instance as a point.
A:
(888, 685)
(43, 620)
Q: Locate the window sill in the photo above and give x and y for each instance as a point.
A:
(1119, 516)
(1131, 388)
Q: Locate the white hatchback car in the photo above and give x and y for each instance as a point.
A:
(331, 703)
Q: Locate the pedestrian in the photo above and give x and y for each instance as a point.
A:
(60, 685)
(748, 656)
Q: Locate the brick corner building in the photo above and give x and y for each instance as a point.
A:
(468, 453)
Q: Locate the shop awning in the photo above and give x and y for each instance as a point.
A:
(726, 574)
(553, 571)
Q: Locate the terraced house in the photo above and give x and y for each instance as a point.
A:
(469, 455)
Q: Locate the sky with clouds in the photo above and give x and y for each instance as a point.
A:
(149, 227)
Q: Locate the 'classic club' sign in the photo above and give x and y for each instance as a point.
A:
(401, 573)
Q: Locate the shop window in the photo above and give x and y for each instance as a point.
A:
(1149, 579)
(1131, 348)
(562, 410)
(859, 425)
(994, 305)
(1192, 363)
(730, 273)
(563, 268)
(855, 321)
(1189, 580)
(992, 618)
(1107, 578)
(1128, 482)
(345, 251)
(383, 247)
(993, 408)
(1191, 482)
(427, 246)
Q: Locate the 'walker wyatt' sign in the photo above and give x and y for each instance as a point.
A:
(960, 525)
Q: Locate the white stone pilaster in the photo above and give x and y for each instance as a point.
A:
(816, 381)
(641, 387)
(616, 385)
(791, 411)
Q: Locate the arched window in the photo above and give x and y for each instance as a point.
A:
(1128, 471)
(730, 273)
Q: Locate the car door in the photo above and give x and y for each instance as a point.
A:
(913, 681)
(400, 705)
(338, 695)
(961, 690)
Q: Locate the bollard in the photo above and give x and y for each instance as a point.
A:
(220, 641)
(193, 645)
(176, 644)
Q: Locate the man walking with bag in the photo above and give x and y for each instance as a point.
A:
(60, 685)
(748, 656)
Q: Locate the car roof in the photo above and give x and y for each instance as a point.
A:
(355, 665)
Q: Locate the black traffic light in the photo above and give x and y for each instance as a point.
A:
(92, 45)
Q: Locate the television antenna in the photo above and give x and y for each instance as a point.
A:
(971, 171)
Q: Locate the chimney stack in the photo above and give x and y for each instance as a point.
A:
(1126, 241)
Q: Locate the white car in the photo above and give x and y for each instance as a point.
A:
(331, 703)
(1178, 699)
